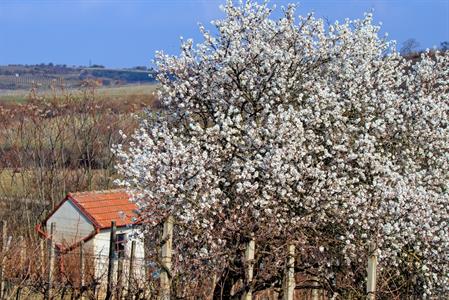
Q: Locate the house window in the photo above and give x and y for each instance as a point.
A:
(120, 245)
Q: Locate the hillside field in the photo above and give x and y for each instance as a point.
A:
(126, 92)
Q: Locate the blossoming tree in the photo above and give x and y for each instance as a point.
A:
(294, 131)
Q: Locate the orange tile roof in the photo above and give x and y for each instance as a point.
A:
(102, 207)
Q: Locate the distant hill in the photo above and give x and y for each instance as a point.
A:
(18, 77)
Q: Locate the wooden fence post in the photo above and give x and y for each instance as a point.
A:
(166, 256)
(3, 261)
(22, 248)
(4, 234)
(112, 242)
(289, 281)
(81, 269)
(119, 278)
(42, 255)
(372, 272)
(131, 270)
(249, 264)
(51, 261)
(22, 268)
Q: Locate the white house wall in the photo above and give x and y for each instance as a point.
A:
(71, 224)
(101, 249)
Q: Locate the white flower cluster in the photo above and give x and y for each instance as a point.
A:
(316, 132)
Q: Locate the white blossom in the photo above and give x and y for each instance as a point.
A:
(306, 131)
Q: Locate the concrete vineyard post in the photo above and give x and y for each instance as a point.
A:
(372, 273)
(289, 280)
(166, 253)
(249, 265)
(315, 291)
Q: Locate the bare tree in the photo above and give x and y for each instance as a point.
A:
(409, 46)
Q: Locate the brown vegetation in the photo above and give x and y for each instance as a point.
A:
(24, 271)
(57, 143)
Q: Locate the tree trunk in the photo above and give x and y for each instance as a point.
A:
(223, 287)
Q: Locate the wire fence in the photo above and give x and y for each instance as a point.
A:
(36, 268)
(26, 265)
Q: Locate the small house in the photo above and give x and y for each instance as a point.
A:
(85, 218)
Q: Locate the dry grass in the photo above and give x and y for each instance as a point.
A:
(128, 90)
(15, 183)
(60, 142)
(14, 96)
(123, 93)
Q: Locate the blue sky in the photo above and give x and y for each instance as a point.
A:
(127, 33)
